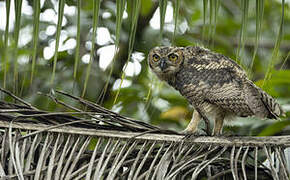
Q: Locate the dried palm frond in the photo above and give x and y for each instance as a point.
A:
(101, 144)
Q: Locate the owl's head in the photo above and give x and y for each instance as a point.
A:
(165, 61)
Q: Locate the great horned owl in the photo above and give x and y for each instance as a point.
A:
(215, 85)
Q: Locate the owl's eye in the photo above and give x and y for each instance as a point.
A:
(172, 57)
(156, 57)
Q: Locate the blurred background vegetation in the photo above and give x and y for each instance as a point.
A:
(102, 47)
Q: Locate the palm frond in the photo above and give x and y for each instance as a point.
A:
(243, 31)
(18, 7)
(36, 16)
(134, 14)
(78, 37)
(275, 52)
(259, 19)
(120, 11)
(213, 13)
(204, 27)
(96, 9)
(57, 38)
(5, 54)
(101, 144)
(162, 7)
(176, 14)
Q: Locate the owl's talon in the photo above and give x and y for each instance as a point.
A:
(207, 132)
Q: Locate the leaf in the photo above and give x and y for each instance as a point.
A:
(176, 113)
(243, 30)
(5, 54)
(176, 14)
(280, 80)
(57, 38)
(77, 54)
(259, 20)
(134, 14)
(35, 36)
(146, 6)
(275, 52)
(119, 20)
(162, 8)
(18, 7)
(275, 128)
(96, 9)
(213, 13)
(204, 27)
(278, 77)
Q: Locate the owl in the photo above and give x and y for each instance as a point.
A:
(215, 85)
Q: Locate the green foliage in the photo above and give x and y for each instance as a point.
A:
(245, 10)
(18, 5)
(162, 7)
(257, 33)
(36, 7)
(77, 55)
(119, 19)
(277, 46)
(6, 48)
(275, 128)
(96, 5)
(176, 13)
(259, 19)
(134, 13)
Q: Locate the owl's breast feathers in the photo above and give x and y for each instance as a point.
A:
(207, 77)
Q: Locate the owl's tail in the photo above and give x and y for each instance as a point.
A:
(273, 107)
(262, 104)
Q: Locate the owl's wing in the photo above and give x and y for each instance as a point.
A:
(221, 81)
(230, 97)
(227, 83)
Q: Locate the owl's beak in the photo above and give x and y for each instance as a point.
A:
(163, 64)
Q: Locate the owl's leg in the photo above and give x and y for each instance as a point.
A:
(202, 113)
(218, 124)
(192, 126)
